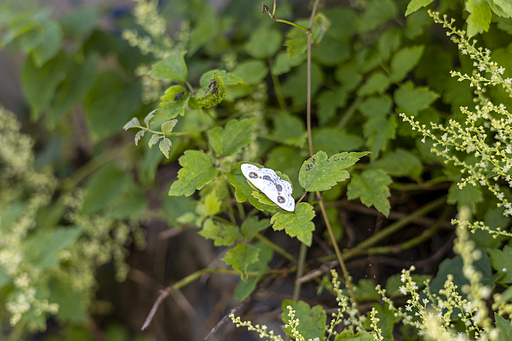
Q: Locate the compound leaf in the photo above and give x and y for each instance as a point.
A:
(252, 225)
(244, 289)
(173, 102)
(220, 233)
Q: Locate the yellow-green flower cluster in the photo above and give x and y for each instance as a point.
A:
(488, 122)
(23, 193)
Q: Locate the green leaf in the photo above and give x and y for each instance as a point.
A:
(252, 225)
(371, 188)
(294, 85)
(288, 161)
(468, 195)
(412, 99)
(312, 320)
(365, 290)
(73, 305)
(264, 42)
(165, 146)
(244, 192)
(296, 224)
(330, 51)
(173, 67)
(376, 107)
(389, 41)
(41, 250)
(501, 261)
(404, 61)
(376, 83)
(105, 186)
(400, 163)
(44, 43)
(212, 203)
(39, 84)
(319, 173)
(379, 11)
(79, 80)
(205, 29)
(415, 5)
(503, 8)
(480, 17)
(153, 140)
(210, 95)
(251, 71)
(504, 327)
(386, 321)
(283, 63)
(131, 204)
(240, 257)
(221, 233)
(296, 38)
(332, 140)
(378, 131)
(168, 126)
(197, 171)
(110, 103)
(174, 100)
(328, 101)
(290, 129)
(234, 136)
(244, 289)
(82, 20)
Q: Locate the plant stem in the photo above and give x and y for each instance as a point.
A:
(349, 113)
(276, 248)
(277, 89)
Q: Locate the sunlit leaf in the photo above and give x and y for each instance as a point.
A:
(197, 171)
(371, 187)
(296, 224)
(240, 257)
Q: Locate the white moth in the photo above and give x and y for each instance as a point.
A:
(267, 181)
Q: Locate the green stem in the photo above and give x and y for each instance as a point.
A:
(277, 90)
(276, 248)
(300, 271)
(349, 113)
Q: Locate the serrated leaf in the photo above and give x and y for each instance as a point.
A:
(501, 261)
(404, 61)
(296, 224)
(220, 233)
(378, 132)
(154, 139)
(328, 101)
(400, 163)
(253, 225)
(504, 327)
(212, 203)
(197, 171)
(468, 195)
(296, 38)
(289, 129)
(374, 107)
(138, 136)
(173, 67)
(415, 5)
(264, 42)
(174, 101)
(293, 86)
(332, 140)
(43, 43)
(371, 187)
(413, 99)
(244, 192)
(251, 71)
(312, 320)
(319, 173)
(378, 82)
(378, 12)
(283, 63)
(134, 122)
(244, 289)
(165, 146)
(168, 126)
(235, 135)
(149, 117)
(209, 95)
(240, 257)
(479, 18)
